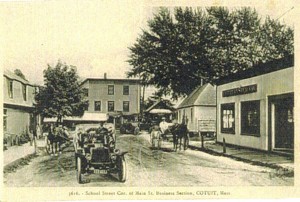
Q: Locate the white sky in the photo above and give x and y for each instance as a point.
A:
(94, 36)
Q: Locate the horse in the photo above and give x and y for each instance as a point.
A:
(180, 136)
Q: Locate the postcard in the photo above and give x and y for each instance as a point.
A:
(139, 100)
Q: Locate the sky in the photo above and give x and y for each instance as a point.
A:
(94, 36)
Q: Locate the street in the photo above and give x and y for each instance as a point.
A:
(147, 167)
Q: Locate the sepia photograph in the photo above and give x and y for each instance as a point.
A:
(148, 99)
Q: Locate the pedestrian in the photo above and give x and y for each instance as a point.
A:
(51, 138)
(34, 132)
(66, 132)
(38, 131)
(77, 138)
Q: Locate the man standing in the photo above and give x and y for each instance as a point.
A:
(163, 125)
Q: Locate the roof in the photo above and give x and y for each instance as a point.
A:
(87, 116)
(160, 111)
(7, 73)
(109, 80)
(204, 95)
(157, 103)
(260, 69)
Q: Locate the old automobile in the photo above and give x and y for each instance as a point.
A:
(96, 153)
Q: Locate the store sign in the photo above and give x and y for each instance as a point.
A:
(207, 125)
(240, 91)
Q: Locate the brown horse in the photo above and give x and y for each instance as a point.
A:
(180, 136)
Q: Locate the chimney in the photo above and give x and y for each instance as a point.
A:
(105, 76)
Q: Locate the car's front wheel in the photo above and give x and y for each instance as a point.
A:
(79, 171)
(122, 169)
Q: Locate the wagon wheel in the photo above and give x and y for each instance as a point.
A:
(122, 169)
(136, 130)
(79, 175)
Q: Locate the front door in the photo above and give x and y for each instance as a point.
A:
(284, 124)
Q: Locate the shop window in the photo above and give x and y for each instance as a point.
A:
(291, 115)
(250, 121)
(111, 106)
(97, 105)
(111, 89)
(24, 92)
(227, 118)
(126, 106)
(125, 90)
(5, 119)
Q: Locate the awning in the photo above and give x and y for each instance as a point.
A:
(50, 120)
(160, 111)
(87, 116)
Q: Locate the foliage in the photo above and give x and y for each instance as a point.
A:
(62, 94)
(180, 49)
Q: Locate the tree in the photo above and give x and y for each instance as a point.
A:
(180, 50)
(19, 73)
(61, 94)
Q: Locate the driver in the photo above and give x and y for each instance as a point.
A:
(163, 125)
(106, 134)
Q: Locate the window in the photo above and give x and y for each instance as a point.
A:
(10, 88)
(250, 122)
(291, 115)
(86, 92)
(110, 106)
(126, 106)
(125, 90)
(227, 118)
(5, 119)
(97, 105)
(24, 92)
(111, 89)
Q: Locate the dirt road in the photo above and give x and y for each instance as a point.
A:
(147, 167)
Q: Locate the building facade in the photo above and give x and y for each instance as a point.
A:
(18, 105)
(116, 97)
(199, 109)
(255, 108)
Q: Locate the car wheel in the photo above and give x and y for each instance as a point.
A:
(79, 171)
(122, 130)
(122, 169)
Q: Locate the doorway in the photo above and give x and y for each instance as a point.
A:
(282, 123)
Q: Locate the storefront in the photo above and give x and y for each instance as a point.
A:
(255, 108)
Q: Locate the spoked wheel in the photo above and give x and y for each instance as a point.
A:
(122, 169)
(79, 171)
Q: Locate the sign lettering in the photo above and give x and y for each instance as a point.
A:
(240, 91)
